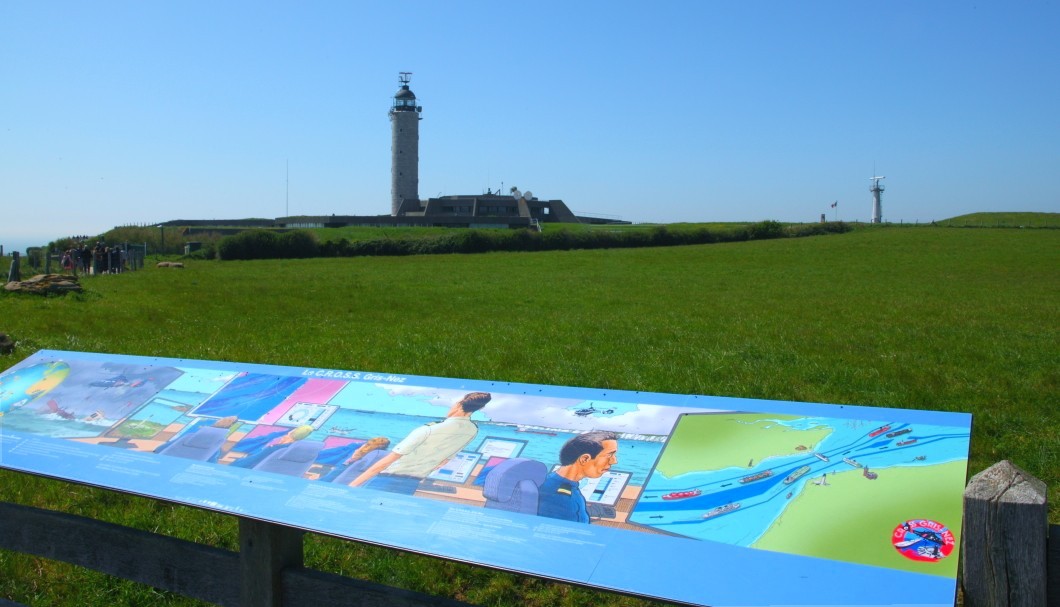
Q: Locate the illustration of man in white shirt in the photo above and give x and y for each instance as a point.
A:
(424, 449)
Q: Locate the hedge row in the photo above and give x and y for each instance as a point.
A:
(263, 244)
(267, 244)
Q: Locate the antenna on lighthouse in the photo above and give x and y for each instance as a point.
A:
(404, 77)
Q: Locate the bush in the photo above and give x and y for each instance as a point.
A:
(764, 230)
(817, 229)
(298, 245)
(252, 244)
(268, 244)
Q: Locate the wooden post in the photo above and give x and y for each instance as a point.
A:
(265, 550)
(1004, 542)
(14, 273)
(1054, 563)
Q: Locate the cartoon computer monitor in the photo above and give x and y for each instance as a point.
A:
(607, 489)
(495, 446)
(458, 469)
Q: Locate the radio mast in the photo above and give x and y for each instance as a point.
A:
(877, 202)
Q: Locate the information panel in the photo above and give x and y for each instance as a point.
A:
(694, 499)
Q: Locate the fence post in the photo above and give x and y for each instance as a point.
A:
(1004, 542)
(14, 272)
(265, 550)
(1053, 589)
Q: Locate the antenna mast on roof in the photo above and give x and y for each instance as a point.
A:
(877, 202)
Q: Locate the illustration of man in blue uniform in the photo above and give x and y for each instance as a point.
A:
(424, 449)
(588, 455)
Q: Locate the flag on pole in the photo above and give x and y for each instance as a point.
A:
(835, 203)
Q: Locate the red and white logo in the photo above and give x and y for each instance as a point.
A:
(923, 540)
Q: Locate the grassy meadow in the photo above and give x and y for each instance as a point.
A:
(943, 319)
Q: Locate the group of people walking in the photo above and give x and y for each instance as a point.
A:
(99, 259)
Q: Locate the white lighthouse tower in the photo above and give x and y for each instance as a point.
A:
(877, 202)
(404, 146)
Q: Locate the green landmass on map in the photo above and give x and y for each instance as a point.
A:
(852, 518)
(139, 429)
(704, 442)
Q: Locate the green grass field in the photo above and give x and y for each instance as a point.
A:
(953, 320)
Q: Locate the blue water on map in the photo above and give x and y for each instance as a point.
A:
(762, 501)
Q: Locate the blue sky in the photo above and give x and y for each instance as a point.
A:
(138, 112)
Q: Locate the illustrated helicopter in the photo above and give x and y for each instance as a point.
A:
(591, 409)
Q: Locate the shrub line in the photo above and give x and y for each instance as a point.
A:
(266, 244)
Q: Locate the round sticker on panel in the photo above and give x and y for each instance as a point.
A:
(923, 540)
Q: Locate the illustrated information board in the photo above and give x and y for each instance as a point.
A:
(693, 499)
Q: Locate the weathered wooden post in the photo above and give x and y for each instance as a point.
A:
(265, 550)
(14, 273)
(1004, 543)
(1053, 589)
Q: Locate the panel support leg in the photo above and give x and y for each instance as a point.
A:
(265, 550)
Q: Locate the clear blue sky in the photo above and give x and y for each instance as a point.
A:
(139, 112)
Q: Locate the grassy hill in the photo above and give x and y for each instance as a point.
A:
(955, 320)
(1004, 220)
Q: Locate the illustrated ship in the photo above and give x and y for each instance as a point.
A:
(528, 431)
(852, 462)
(823, 458)
(720, 510)
(94, 416)
(794, 476)
(756, 477)
(899, 432)
(681, 495)
(906, 442)
(879, 431)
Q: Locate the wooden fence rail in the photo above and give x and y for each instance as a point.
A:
(268, 565)
(1011, 556)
